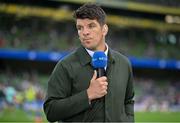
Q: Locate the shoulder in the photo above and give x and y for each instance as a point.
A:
(64, 66)
(68, 59)
(120, 57)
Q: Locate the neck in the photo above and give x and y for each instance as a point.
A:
(102, 48)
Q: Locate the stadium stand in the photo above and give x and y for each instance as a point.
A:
(27, 34)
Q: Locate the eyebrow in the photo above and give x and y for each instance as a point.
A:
(92, 23)
(88, 24)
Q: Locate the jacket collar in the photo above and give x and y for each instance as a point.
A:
(85, 58)
(111, 57)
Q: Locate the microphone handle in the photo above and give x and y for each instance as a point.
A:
(100, 72)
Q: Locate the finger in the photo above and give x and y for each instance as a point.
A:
(106, 83)
(103, 83)
(103, 78)
(105, 92)
(104, 87)
(94, 75)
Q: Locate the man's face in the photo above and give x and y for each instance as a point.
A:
(91, 33)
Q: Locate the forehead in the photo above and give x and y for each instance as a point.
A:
(86, 21)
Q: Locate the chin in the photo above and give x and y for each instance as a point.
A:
(87, 46)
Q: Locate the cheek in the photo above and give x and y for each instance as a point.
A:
(98, 34)
(80, 35)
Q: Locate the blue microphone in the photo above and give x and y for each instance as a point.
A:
(99, 61)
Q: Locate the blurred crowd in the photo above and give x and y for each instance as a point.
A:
(27, 92)
(23, 92)
(49, 35)
(157, 95)
(35, 34)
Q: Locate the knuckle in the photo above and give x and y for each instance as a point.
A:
(104, 78)
(105, 87)
(101, 83)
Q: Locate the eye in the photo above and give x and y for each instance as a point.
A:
(79, 27)
(92, 25)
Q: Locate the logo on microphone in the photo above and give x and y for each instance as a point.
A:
(99, 59)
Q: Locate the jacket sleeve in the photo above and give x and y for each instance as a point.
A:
(129, 102)
(60, 104)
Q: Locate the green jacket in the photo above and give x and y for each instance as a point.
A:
(67, 99)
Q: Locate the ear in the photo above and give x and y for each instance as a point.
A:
(105, 29)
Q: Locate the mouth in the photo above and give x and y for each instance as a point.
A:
(87, 39)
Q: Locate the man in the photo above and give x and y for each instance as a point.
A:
(75, 94)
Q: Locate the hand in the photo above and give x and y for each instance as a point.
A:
(97, 87)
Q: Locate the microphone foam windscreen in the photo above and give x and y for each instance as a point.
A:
(99, 59)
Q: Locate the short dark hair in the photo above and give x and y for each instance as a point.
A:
(91, 11)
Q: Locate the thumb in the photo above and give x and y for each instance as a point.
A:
(94, 75)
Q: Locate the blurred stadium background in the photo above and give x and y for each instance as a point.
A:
(34, 35)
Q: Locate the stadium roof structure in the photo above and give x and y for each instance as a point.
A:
(131, 5)
(120, 13)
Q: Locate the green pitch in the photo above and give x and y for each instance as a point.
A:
(16, 115)
(157, 116)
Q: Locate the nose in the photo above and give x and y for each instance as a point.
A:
(86, 31)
